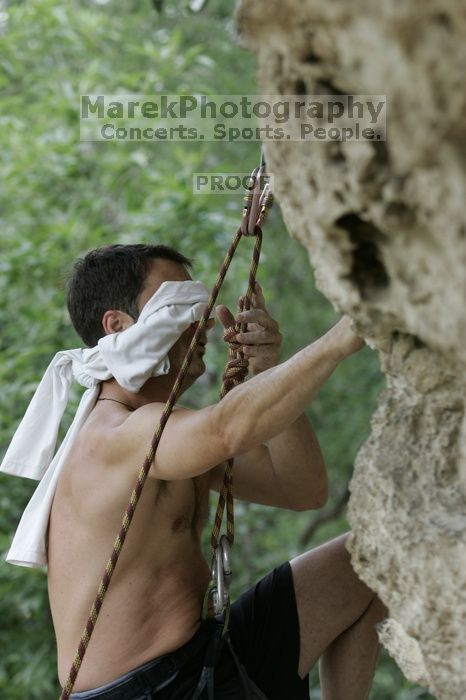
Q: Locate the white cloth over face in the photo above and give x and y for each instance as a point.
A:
(131, 356)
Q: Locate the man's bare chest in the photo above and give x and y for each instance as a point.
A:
(186, 503)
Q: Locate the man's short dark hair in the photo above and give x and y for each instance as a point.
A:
(111, 277)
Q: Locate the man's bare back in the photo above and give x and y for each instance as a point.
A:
(156, 594)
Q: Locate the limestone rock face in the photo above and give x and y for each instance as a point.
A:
(385, 227)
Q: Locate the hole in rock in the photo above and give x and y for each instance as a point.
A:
(338, 195)
(368, 271)
(418, 343)
(335, 153)
(415, 343)
(443, 19)
(326, 87)
(374, 174)
(300, 87)
(381, 154)
(311, 58)
(400, 212)
(312, 182)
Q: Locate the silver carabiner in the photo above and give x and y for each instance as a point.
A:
(258, 200)
(221, 575)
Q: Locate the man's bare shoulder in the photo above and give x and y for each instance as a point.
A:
(190, 445)
(133, 433)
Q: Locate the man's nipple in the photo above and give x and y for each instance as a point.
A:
(179, 524)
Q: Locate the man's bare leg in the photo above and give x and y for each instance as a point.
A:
(337, 613)
(347, 666)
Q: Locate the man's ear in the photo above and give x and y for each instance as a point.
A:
(115, 321)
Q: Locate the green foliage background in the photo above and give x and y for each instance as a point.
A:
(60, 197)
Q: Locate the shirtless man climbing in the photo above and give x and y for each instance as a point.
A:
(313, 608)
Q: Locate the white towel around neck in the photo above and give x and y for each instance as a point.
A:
(131, 356)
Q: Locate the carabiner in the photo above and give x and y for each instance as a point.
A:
(257, 201)
(221, 575)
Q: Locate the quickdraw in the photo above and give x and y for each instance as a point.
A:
(258, 201)
(221, 575)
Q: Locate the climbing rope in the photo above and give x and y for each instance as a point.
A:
(258, 201)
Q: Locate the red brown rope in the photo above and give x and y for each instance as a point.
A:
(254, 213)
(235, 373)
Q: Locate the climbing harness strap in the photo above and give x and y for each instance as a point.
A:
(218, 642)
(257, 203)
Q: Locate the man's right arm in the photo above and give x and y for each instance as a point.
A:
(193, 442)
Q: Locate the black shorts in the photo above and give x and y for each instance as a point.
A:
(264, 634)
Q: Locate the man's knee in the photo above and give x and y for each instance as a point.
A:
(342, 541)
(334, 549)
(337, 548)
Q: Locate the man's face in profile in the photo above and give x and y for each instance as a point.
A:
(159, 271)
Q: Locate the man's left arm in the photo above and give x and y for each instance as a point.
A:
(289, 471)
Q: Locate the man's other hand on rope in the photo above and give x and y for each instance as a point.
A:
(262, 340)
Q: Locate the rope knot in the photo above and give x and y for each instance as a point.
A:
(228, 336)
(235, 372)
(238, 365)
